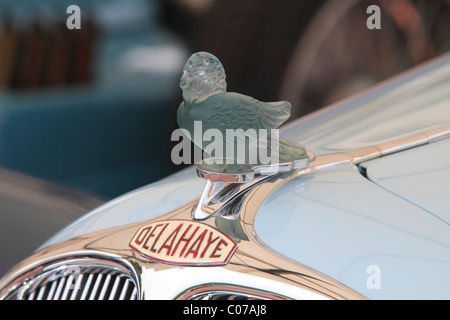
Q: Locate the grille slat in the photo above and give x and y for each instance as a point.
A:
(124, 289)
(77, 287)
(134, 294)
(59, 288)
(41, 293)
(104, 287)
(87, 287)
(114, 288)
(95, 288)
(31, 296)
(67, 287)
(52, 291)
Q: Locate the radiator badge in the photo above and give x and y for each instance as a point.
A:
(183, 242)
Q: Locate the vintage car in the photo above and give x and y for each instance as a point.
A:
(368, 218)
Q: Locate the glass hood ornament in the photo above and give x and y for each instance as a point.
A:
(245, 146)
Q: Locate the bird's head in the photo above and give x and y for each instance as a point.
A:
(203, 76)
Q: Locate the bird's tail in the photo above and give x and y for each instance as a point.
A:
(276, 113)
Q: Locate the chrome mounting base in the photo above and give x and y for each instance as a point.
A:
(224, 187)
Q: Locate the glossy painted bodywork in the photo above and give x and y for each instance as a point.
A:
(335, 220)
(139, 205)
(339, 223)
(362, 121)
(420, 176)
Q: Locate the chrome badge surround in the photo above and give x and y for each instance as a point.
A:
(183, 242)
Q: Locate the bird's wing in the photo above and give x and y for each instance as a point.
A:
(237, 111)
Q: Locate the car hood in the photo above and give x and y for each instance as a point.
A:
(339, 223)
(420, 176)
(336, 221)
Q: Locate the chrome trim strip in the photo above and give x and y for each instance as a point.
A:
(412, 141)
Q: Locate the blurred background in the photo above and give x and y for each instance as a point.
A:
(93, 109)
(87, 114)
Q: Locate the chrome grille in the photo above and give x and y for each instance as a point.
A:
(77, 280)
(226, 296)
(227, 292)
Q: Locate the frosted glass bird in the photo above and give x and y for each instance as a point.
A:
(206, 100)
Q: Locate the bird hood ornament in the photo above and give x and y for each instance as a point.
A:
(245, 146)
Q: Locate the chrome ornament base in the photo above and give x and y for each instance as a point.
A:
(223, 187)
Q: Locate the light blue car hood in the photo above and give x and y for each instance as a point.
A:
(336, 221)
(343, 225)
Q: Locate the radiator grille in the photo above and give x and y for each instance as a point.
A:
(78, 281)
(228, 292)
(226, 296)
